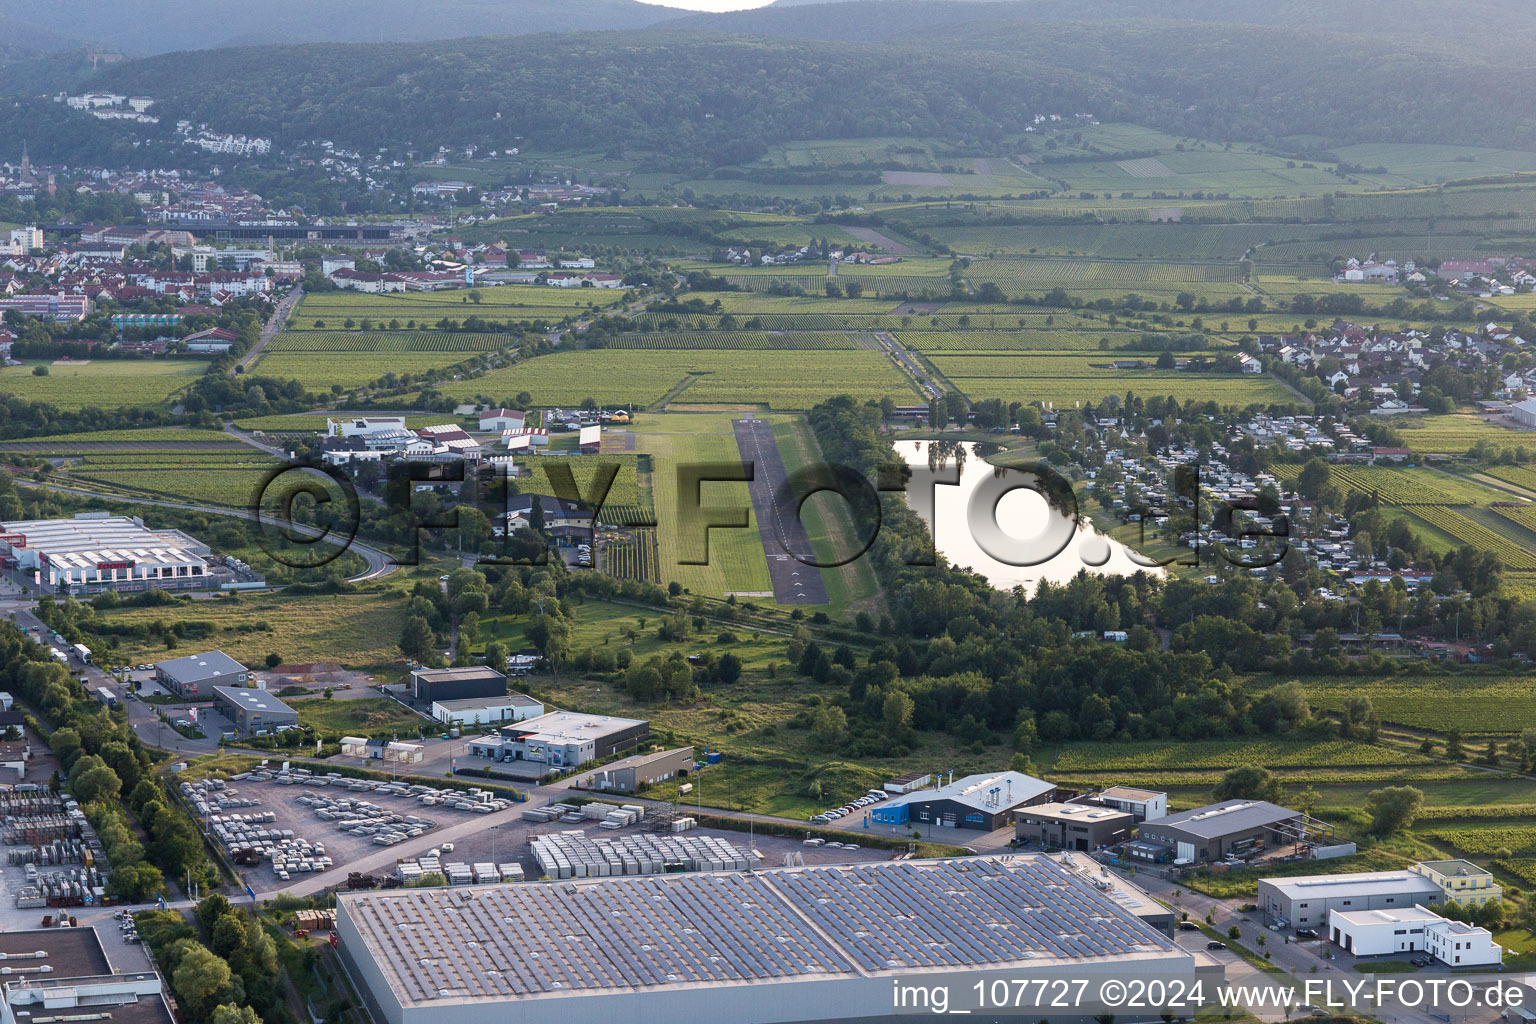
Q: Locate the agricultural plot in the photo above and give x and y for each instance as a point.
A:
(1006, 341)
(1025, 273)
(504, 303)
(625, 490)
(1477, 705)
(1520, 476)
(1489, 842)
(1456, 433)
(105, 383)
(633, 557)
(385, 341)
(1116, 241)
(1223, 754)
(887, 286)
(753, 340)
(735, 557)
(229, 488)
(1027, 377)
(1463, 530)
(1247, 175)
(640, 378)
(317, 371)
(1410, 165)
(1397, 486)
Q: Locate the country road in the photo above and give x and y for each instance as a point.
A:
(899, 353)
(269, 330)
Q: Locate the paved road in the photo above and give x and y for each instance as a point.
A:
(379, 563)
(899, 353)
(274, 324)
(786, 544)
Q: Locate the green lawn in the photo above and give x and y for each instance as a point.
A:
(363, 716)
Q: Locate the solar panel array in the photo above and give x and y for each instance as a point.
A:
(964, 912)
(623, 932)
(641, 932)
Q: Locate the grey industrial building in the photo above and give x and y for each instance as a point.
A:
(817, 943)
(1232, 827)
(197, 674)
(632, 773)
(439, 684)
(1304, 902)
(1071, 826)
(253, 711)
(64, 974)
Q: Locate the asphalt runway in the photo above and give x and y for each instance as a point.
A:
(794, 582)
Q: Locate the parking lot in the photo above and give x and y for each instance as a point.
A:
(277, 824)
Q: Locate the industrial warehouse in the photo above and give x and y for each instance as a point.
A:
(982, 802)
(808, 944)
(254, 712)
(563, 739)
(95, 551)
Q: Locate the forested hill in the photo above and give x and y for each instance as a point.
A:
(706, 98)
(139, 27)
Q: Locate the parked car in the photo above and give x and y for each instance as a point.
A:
(1188, 926)
(1215, 945)
(1306, 933)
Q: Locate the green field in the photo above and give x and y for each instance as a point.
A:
(385, 341)
(357, 630)
(640, 378)
(317, 371)
(106, 383)
(363, 716)
(1474, 704)
(1053, 377)
(1455, 433)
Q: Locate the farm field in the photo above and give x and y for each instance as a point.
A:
(1246, 175)
(1060, 378)
(1410, 165)
(318, 371)
(107, 383)
(1475, 704)
(641, 378)
(1037, 342)
(736, 562)
(733, 340)
(359, 630)
(1455, 433)
(232, 488)
(1117, 241)
(503, 303)
(1512, 554)
(1092, 279)
(385, 341)
(625, 490)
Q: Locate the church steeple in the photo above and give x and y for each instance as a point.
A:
(26, 163)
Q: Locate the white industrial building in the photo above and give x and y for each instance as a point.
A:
(96, 551)
(1413, 930)
(514, 707)
(809, 944)
(562, 739)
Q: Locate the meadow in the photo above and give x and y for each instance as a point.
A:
(359, 630)
(1455, 433)
(640, 378)
(105, 383)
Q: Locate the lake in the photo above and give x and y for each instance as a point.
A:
(1029, 540)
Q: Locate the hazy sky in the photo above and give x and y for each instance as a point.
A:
(711, 5)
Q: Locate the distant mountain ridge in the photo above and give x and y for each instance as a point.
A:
(147, 27)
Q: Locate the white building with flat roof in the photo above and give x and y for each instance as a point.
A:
(96, 551)
(562, 739)
(1413, 930)
(513, 707)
